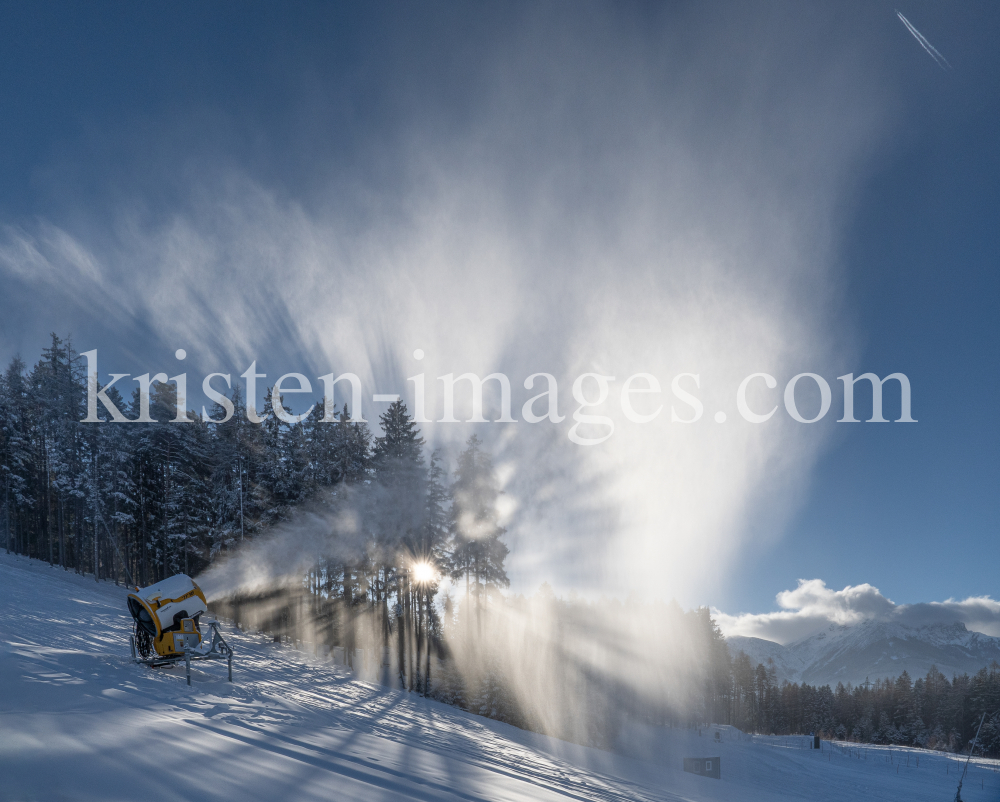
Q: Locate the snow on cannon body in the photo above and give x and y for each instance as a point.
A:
(167, 626)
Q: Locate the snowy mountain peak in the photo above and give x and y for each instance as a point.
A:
(871, 649)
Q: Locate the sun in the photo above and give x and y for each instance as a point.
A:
(423, 572)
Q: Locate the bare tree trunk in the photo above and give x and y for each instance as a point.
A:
(145, 547)
(407, 618)
(62, 538)
(6, 513)
(383, 623)
(77, 538)
(46, 514)
(419, 625)
(348, 617)
(427, 637)
(479, 605)
(166, 511)
(400, 634)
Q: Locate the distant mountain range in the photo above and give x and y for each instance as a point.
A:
(873, 649)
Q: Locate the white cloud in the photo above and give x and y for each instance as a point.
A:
(812, 606)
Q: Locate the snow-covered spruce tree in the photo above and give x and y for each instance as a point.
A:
(449, 685)
(16, 456)
(351, 457)
(742, 692)
(717, 666)
(478, 553)
(990, 735)
(401, 476)
(47, 391)
(107, 497)
(171, 478)
(236, 469)
(284, 461)
(8, 535)
(115, 495)
(58, 400)
(398, 454)
(351, 453)
(430, 549)
(189, 500)
(150, 477)
(477, 557)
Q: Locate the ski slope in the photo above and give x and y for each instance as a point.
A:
(79, 721)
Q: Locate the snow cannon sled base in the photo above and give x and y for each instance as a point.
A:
(167, 628)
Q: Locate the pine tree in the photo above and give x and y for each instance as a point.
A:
(478, 553)
(401, 475)
(431, 550)
(398, 453)
(17, 453)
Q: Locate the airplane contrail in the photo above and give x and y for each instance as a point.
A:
(940, 60)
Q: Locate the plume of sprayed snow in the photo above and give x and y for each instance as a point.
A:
(576, 670)
(644, 213)
(337, 526)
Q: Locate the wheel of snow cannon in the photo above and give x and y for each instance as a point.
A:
(142, 642)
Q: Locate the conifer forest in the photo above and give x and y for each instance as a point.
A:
(137, 502)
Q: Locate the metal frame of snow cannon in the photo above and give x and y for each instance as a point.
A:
(219, 650)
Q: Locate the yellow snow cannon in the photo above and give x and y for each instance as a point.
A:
(166, 616)
(167, 625)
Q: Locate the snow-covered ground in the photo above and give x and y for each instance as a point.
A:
(79, 721)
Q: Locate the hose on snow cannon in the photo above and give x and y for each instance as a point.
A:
(167, 626)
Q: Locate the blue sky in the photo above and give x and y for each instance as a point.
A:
(810, 167)
(921, 509)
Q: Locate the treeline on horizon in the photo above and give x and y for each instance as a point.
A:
(137, 502)
(930, 712)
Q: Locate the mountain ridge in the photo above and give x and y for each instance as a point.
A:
(872, 649)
